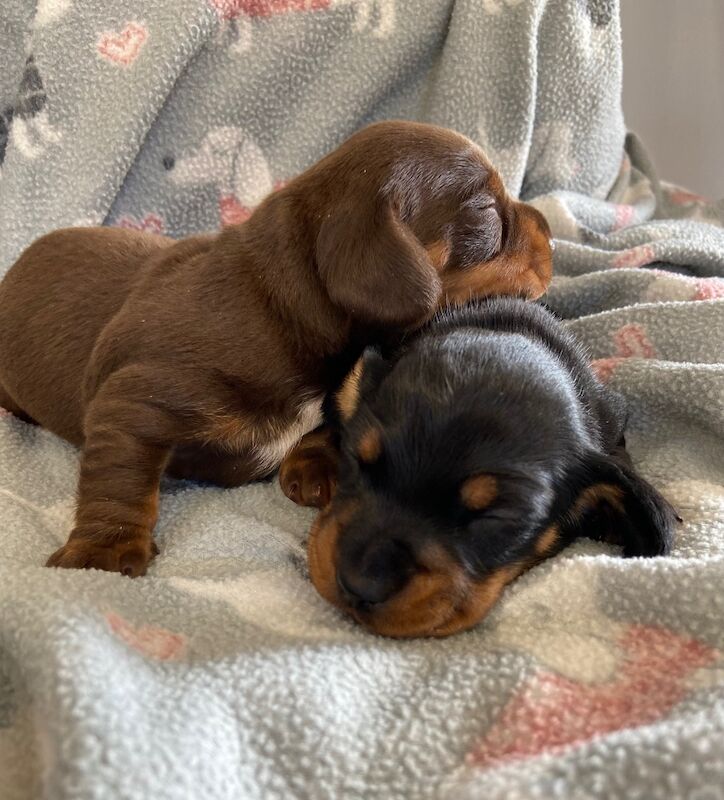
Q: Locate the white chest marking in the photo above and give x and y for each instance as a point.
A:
(270, 454)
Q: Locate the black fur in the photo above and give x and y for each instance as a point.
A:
(498, 387)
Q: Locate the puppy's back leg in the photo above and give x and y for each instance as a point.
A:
(130, 429)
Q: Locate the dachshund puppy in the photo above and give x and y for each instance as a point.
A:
(208, 357)
(479, 447)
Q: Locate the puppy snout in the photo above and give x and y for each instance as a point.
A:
(376, 574)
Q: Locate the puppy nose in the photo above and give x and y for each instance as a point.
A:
(168, 162)
(376, 574)
(365, 590)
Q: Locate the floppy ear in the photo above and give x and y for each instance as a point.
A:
(607, 500)
(374, 267)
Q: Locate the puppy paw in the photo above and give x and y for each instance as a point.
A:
(309, 480)
(130, 557)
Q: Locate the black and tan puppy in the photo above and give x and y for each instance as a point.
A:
(480, 447)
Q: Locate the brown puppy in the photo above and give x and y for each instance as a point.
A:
(208, 357)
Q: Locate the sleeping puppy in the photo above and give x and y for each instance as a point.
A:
(481, 446)
(208, 357)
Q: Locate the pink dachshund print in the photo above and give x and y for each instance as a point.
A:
(150, 223)
(624, 215)
(235, 164)
(630, 341)
(668, 286)
(591, 674)
(552, 712)
(634, 257)
(237, 15)
(233, 9)
(26, 123)
(683, 197)
(709, 289)
(157, 643)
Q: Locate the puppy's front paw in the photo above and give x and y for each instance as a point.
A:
(130, 557)
(309, 479)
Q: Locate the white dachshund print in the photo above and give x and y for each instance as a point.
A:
(49, 11)
(497, 6)
(27, 120)
(235, 163)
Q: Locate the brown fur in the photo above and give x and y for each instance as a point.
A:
(308, 474)
(207, 357)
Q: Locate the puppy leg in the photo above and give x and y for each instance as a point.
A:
(129, 433)
(308, 473)
(211, 465)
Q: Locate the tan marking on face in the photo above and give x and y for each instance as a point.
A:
(426, 600)
(478, 492)
(547, 540)
(369, 447)
(594, 495)
(347, 398)
(481, 597)
(440, 599)
(439, 253)
(321, 554)
(523, 268)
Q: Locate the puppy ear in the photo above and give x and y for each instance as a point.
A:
(477, 232)
(375, 268)
(375, 368)
(365, 376)
(607, 500)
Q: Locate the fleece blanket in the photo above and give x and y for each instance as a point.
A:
(222, 674)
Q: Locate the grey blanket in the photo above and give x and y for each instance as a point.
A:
(222, 674)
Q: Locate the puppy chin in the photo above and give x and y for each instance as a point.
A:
(439, 600)
(439, 605)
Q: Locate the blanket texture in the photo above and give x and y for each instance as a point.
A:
(222, 674)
